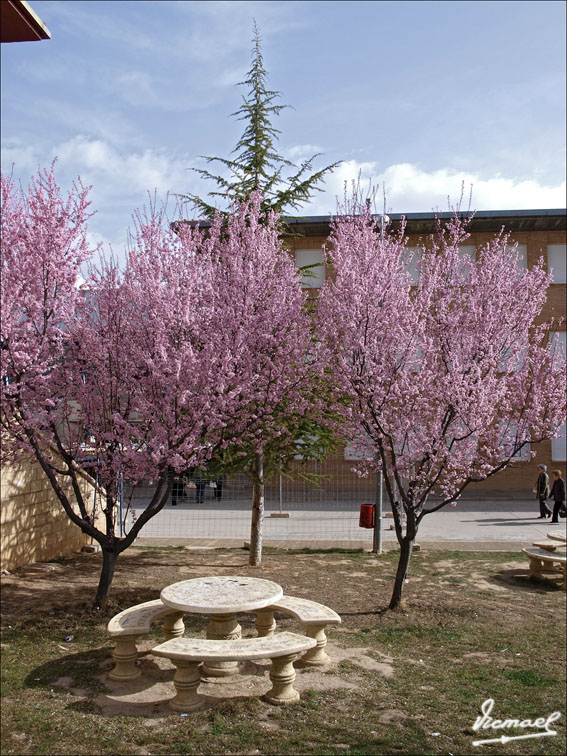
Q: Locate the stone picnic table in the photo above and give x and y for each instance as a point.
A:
(545, 557)
(216, 658)
(221, 599)
(556, 539)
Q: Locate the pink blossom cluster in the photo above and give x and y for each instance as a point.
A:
(200, 341)
(447, 380)
(44, 244)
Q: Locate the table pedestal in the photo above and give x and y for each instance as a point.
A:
(186, 681)
(222, 627)
(282, 676)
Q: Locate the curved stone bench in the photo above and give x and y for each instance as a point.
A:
(540, 558)
(186, 653)
(314, 616)
(548, 545)
(551, 547)
(130, 624)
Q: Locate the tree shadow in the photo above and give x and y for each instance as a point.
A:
(82, 668)
(193, 559)
(491, 521)
(85, 676)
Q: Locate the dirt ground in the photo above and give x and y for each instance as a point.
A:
(473, 626)
(57, 588)
(357, 588)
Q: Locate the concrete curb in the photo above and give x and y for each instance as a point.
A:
(232, 543)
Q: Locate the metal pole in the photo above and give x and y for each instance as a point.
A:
(377, 535)
(120, 510)
(94, 502)
(281, 493)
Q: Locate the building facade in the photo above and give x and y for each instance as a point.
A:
(538, 233)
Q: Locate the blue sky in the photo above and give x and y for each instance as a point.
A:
(417, 96)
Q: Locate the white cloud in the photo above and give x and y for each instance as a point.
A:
(123, 173)
(135, 86)
(23, 157)
(302, 151)
(224, 27)
(408, 189)
(96, 240)
(121, 179)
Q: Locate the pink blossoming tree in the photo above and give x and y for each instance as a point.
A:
(148, 370)
(448, 380)
(119, 371)
(264, 331)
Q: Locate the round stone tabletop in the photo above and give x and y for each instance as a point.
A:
(221, 595)
(557, 535)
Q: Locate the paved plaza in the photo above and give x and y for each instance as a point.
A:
(479, 524)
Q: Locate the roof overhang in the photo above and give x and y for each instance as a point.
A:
(19, 23)
(426, 223)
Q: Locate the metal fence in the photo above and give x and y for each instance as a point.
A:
(295, 508)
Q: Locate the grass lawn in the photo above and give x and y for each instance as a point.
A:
(407, 682)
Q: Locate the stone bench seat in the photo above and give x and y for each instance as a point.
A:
(130, 624)
(314, 616)
(548, 545)
(540, 558)
(186, 654)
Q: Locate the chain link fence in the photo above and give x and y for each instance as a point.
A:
(295, 508)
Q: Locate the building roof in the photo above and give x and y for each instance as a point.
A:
(19, 23)
(425, 223)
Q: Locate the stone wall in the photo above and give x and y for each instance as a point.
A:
(35, 528)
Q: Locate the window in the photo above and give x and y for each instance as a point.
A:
(312, 278)
(412, 257)
(558, 345)
(512, 359)
(299, 443)
(559, 446)
(411, 355)
(509, 441)
(359, 449)
(524, 455)
(460, 437)
(557, 262)
(467, 253)
(522, 251)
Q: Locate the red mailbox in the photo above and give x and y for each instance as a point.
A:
(367, 515)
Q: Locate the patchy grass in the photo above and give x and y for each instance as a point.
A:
(406, 682)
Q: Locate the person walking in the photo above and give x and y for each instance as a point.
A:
(219, 482)
(178, 490)
(542, 492)
(557, 494)
(198, 477)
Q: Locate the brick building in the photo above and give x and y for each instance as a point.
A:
(539, 233)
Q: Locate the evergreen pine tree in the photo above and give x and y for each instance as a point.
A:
(255, 163)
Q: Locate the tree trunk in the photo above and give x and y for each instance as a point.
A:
(406, 547)
(257, 511)
(109, 557)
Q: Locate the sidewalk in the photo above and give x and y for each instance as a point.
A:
(471, 525)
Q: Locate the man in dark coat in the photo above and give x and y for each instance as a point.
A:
(557, 494)
(542, 492)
